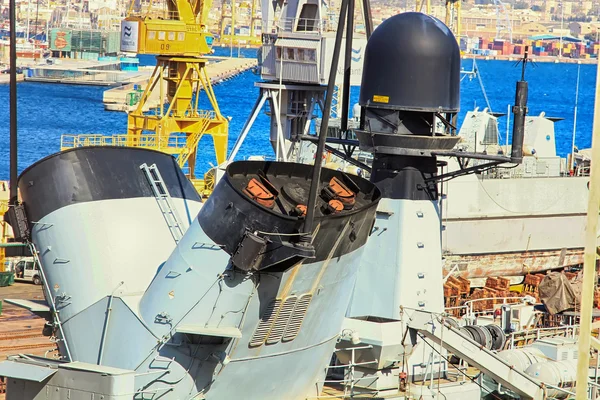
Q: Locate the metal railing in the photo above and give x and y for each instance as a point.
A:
(519, 339)
(162, 142)
(171, 143)
(296, 25)
(349, 382)
(468, 306)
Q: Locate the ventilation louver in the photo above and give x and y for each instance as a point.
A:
(297, 318)
(264, 326)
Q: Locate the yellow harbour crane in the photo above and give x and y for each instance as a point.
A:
(179, 39)
(177, 35)
(419, 6)
(453, 16)
(453, 13)
(230, 18)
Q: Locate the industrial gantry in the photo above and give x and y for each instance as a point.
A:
(175, 124)
(179, 39)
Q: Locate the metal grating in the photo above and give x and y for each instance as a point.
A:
(264, 326)
(283, 317)
(295, 322)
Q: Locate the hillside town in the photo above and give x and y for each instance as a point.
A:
(90, 29)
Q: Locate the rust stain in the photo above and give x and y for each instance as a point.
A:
(511, 264)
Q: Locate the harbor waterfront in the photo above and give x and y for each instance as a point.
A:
(260, 272)
(47, 111)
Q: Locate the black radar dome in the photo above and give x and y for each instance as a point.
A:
(412, 62)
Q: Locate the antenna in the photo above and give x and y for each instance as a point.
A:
(524, 62)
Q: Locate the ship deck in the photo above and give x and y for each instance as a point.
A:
(20, 330)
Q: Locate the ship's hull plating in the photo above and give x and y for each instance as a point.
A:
(100, 233)
(285, 369)
(500, 227)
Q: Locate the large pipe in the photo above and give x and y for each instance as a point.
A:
(13, 196)
(347, 67)
(316, 176)
(519, 112)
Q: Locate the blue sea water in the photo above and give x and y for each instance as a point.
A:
(46, 111)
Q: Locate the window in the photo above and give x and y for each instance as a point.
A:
(308, 18)
(278, 53)
(289, 54)
(29, 266)
(310, 55)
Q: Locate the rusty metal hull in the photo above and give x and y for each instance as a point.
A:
(511, 264)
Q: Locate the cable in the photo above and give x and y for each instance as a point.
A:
(476, 69)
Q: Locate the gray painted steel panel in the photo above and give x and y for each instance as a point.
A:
(205, 331)
(124, 327)
(102, 369)
(299, 72)
(17, 370)
(116, 249)
(83, 332)
(34, 306)
(268, 63)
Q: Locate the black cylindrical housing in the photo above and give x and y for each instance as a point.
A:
(412, 62)
(96, 173)
(519, 113)
(405, 177)
(229, 213)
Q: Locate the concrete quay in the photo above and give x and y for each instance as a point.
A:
(220, 69)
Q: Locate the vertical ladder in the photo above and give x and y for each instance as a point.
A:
(163, 198)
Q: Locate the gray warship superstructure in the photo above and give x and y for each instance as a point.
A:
(242, 299)
(247, 299)
(395, 334)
